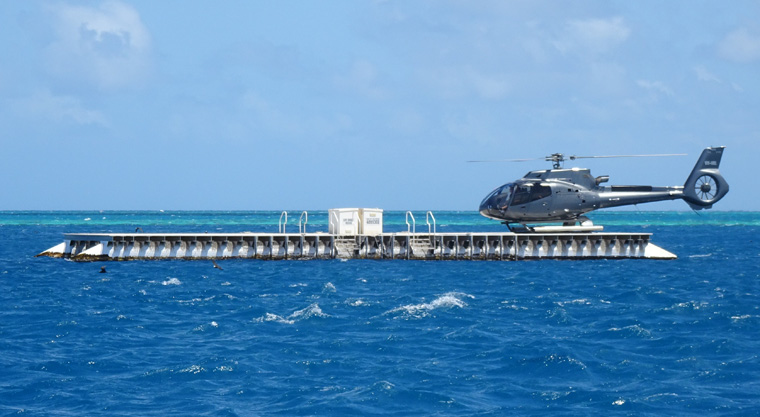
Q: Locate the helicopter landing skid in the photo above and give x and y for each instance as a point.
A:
(584, 225)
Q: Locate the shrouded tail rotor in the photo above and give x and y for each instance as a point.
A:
(706, 188)
(705, 185)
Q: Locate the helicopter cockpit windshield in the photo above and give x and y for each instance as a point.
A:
(500, 197)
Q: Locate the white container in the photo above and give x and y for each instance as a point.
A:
(344, 221)
(371, 221)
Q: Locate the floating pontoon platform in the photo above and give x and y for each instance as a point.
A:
(423, 246)
(358, 234)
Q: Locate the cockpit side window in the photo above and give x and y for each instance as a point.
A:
(540, 191)
(522, 195)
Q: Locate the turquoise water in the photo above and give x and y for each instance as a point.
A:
(384, 338)
(318, 219)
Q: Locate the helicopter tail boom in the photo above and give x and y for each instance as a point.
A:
(705, 185)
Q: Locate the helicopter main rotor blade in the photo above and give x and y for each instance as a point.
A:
(507, 160)
(560, 157)
(627, 156)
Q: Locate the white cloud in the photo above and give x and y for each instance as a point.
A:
(65, 109)
(704, 75)
(740, 46)
(595, 36)
(106, 45)
(656, 88)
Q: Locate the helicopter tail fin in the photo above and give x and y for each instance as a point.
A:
(705, 186)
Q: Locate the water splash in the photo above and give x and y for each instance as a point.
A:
(172, 281)
(445, 301)
(311, 311)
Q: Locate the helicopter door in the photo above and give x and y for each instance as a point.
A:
(531, 200)
(539, 197)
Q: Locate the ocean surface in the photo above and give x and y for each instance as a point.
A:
(380, 338)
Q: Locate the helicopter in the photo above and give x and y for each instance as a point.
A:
(566, 195)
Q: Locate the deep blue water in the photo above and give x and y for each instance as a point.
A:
(384, 338)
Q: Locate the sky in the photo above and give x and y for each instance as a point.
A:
(310, 105)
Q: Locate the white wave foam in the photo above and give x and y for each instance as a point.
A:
(274, 318)
(448, 300)
(564, 359)
(508, 304)
(555, 395)
(358, 302)
(329, 287)
(706, 255)
(172, 281)
(580, 301)
(193, 369)
(312, 310)
(635, 329)
(694, 305)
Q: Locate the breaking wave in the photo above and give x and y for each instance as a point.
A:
(446, 301)
(312, 310)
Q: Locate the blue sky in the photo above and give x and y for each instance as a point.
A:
(295, 105)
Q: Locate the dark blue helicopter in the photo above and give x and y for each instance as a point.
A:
(566, 195)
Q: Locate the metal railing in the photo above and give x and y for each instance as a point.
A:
(281, 225)
(428, 216)
(413, 226)
(305, 218)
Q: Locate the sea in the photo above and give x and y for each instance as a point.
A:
(380, 337)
